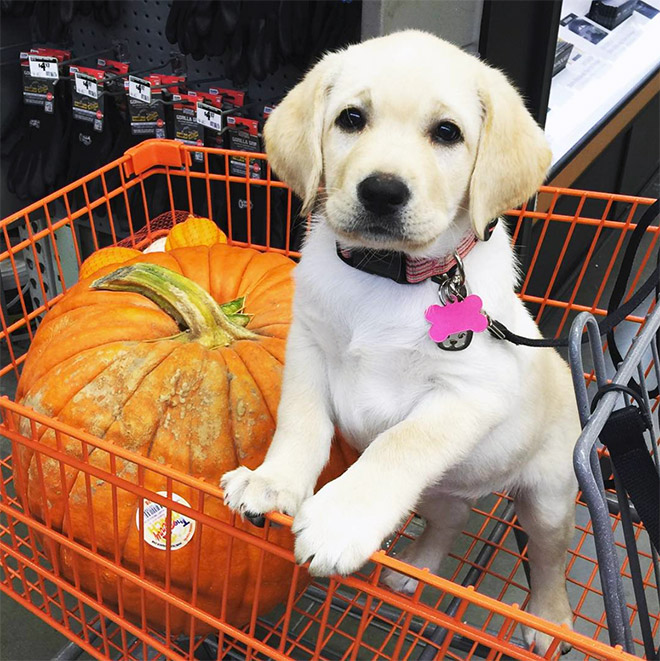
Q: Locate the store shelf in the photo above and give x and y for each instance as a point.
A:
(605, 68)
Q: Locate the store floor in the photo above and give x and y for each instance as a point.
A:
(25, 637)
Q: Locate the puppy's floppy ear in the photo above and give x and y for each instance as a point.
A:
(294, 132)
(513, 155)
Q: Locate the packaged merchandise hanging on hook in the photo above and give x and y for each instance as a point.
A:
(186, 127)
(208, 114)
(145, 100)
(37, 150)
(42, 70)
(244, 136)
(87, 95)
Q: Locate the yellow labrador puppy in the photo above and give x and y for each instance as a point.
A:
(417, 147)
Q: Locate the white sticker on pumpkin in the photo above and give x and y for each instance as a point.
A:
(155, 524)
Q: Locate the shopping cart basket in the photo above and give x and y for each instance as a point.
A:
(474, 610)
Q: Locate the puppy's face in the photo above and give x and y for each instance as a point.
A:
(399, 143)
(406, 135)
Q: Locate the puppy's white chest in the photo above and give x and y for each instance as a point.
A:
(372, 389)
(378, 357)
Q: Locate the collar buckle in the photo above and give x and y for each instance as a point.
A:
(451, 285)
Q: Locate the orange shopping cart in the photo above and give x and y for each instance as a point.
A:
(569, 246)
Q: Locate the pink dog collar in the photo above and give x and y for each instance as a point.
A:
(403, 268)
(419, 269)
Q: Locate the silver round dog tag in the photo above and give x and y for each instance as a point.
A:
(457, 341)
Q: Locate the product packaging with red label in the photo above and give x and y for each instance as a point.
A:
(42, 70)
(244, 136)
(147, 111)
(115, 73)
(186, 128)
(230, 98)
(87, 95)
(209, 117)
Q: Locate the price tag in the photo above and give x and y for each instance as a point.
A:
(44, 67)
(139, 89)
(209, 116)
(87, 86)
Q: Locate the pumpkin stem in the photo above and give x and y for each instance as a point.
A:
(184, 300)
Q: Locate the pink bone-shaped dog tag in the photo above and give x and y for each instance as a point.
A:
(456, 317)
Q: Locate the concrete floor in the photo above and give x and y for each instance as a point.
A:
(25, 637)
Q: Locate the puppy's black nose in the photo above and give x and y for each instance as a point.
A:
(383, 194)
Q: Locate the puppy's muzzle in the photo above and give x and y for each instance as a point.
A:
(382, 196)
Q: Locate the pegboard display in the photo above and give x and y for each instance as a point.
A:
(299, 33)
(142, 26)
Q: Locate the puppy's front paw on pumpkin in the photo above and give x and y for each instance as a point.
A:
(334, 533)
(252, 493)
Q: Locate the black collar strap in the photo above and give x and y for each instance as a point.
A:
(402, 268)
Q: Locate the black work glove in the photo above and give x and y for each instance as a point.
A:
(39, 156)
(51, 20)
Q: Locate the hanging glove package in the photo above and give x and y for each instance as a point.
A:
(96, 123)
(38, 156)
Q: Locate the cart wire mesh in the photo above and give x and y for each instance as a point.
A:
(569, 246)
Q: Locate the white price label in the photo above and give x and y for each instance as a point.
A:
(157, 526)
(43, 67)
(139, 89)
(87, 85)
(209, 116)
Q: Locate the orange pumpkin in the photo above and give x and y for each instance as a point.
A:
(117, 365)
(194, 231)
(106, 257)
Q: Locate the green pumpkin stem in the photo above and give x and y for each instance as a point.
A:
(184, 300)
(233, 307)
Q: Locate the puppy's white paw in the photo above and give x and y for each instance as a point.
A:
(399, 582)
(253, 493)
(559, 612)
(336, 532)
(542, 642)
(426, 552)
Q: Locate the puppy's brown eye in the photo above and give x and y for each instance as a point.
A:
(446, 132)
(351, 119)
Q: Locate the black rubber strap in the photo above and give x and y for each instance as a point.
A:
(619, 290)
(615, 316)
(623, 436)
(605, 326)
